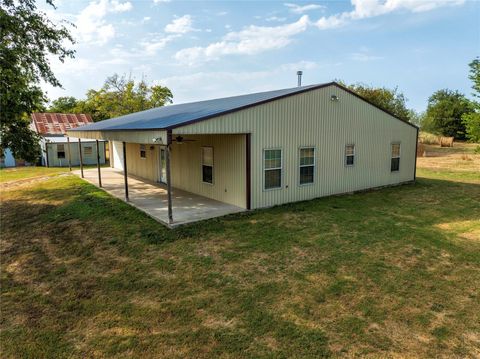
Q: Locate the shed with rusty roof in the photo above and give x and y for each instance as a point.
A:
(59, 149)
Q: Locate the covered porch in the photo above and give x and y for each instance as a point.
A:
(152, 198)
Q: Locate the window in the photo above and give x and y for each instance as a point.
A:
(272, 167)
(349, 155)
(207, 164)
(60, 151)
(143, 151)
(87, 150)
(395, 162)
(307, 165)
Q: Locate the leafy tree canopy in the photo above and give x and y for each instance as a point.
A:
(391, 100)
(66, 104)
(472, 120)
(27, 38)
(444, 113)
(475, 76)
(118, 96)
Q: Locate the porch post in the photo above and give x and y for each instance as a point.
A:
(98, 166)
(248, 170)
(125, 170)
(69, 156)
(80, 156)
(169, 183)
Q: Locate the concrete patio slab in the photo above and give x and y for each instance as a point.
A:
(151, 198)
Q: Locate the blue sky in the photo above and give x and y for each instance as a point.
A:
(203, 50)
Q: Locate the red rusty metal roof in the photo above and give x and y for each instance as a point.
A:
(58, 123)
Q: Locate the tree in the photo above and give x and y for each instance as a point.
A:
(391, 100)
(444, 113)
(64, 105)
(472, 120)
(120, 96)
(27, 39)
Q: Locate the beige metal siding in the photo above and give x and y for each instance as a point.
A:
(229, 178)
(313, 119)
(148, 167)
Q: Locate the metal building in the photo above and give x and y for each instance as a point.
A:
(263, 149)
(60, 150)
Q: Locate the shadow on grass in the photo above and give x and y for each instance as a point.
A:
(79, 260)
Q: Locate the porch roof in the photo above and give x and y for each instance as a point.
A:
(169, 117)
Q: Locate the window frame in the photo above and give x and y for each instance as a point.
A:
(399, 155)
(269, 169)
(353, 155)
(144, 151)
(85, 150)
(314, 165)
(63, 151)
(212, 165)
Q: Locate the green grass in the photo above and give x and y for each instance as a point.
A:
(386, 273)
(32, 172)
(19, 173)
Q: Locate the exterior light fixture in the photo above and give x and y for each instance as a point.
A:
(334, 98)
(157, 140)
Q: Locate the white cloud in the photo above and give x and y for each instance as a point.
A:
(180, 25)
(363, 9)
(276, 18)
(157, 43)
(251, 40)
(216, 84)
(364, 55)
(300, 9)
(91, 24)
(160, 1)
(116, 6)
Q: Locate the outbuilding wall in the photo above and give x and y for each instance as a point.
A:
(88, 159)
(313, 119)
(7, 159)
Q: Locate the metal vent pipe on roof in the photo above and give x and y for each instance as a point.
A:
(299, 74)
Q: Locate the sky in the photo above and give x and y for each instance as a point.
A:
(210, 49)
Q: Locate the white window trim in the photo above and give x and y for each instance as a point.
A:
(276, 168)
(140, 151)
(213, 165)
(354, 154)
(399, 155)
(84, 151)
(314, 165)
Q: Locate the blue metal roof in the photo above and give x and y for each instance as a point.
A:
(168, 117)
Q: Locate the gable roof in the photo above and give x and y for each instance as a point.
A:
(58, 123)
(170, 117)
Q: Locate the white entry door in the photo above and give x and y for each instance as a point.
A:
(163, 165)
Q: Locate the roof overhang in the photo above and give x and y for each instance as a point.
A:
(132, 136)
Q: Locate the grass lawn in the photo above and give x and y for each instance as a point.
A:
(20, 173)
(388, 273)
